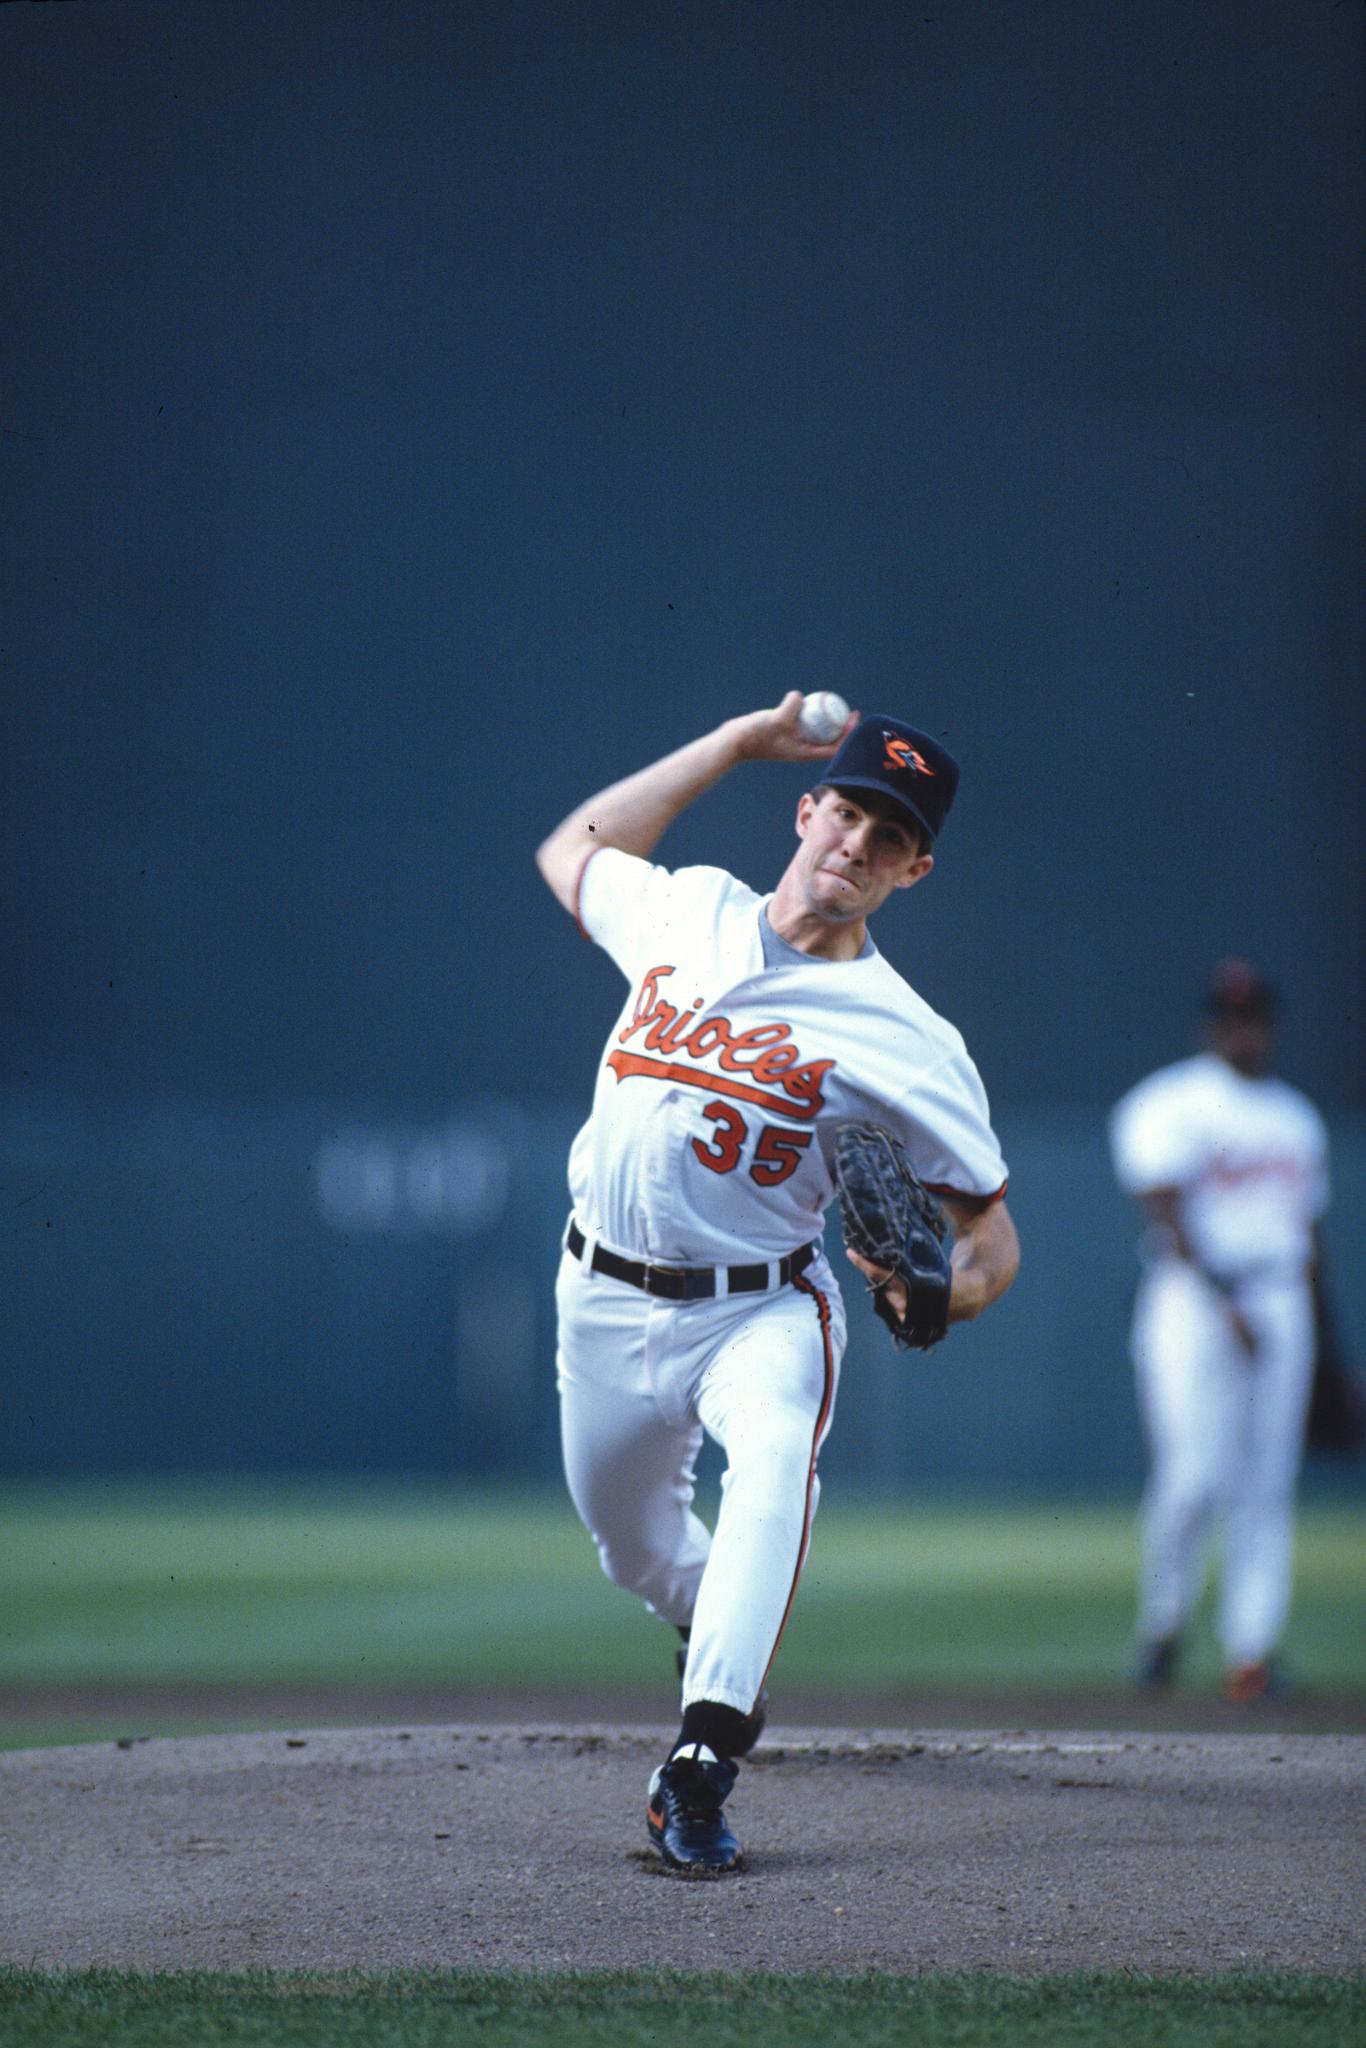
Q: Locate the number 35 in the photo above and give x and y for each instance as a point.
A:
(777, 1154)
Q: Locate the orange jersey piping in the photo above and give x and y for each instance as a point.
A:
(805, 1286)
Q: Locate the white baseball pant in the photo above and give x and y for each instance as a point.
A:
(640, 1381)
(1225, 1434)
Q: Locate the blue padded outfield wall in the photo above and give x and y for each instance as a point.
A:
(193, 1289)
(418, 418)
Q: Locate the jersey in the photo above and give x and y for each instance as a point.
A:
(725, 1078)
(1248, 1157)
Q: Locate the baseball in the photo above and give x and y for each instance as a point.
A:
(824, 716)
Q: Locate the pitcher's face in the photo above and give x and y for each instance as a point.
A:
(856, 848)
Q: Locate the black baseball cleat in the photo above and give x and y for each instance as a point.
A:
(685, 1814)
(756, 1720)
(1155, 1665)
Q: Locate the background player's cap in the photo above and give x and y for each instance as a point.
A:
(1236, 989)
(882, 753)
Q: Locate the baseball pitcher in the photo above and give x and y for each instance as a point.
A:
(766, 1062)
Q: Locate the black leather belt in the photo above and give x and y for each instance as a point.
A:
(688, 1283)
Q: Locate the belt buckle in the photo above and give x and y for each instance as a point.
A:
(683, 1278)
(664, 1273)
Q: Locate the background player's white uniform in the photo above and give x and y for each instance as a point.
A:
(1248, 1158)
(734, 1060)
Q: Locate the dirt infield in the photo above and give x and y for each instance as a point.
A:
(523, 1848)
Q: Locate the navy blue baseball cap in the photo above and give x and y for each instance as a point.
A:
(906, 765)
(1236, 989)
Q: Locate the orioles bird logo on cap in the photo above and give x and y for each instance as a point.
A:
(901, 754)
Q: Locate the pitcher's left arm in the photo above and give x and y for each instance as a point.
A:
(985, 1260)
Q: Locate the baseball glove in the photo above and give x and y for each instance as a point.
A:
(894, 1221)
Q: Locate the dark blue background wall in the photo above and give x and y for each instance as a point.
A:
(207, 1289)
(414, 417)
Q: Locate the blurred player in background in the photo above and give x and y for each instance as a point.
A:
(1229, 1165)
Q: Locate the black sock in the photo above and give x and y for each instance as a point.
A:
(722, 1729)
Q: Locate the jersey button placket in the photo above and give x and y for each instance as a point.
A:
(656, 1146)
(668, 1134)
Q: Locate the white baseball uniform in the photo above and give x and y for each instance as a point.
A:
(1248, 1158)
(733, 1062)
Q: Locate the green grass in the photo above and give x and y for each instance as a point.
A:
(86, 2009)
(131, 1586)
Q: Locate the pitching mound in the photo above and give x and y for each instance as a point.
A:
(524, 1848)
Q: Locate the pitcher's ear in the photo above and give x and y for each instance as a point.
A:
(917, 871)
